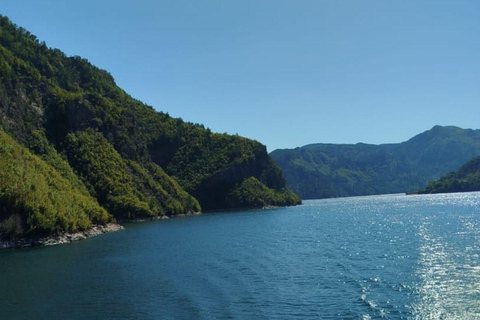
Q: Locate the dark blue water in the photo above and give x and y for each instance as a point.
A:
(383, 257)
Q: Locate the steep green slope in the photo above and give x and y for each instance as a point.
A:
(135, 161)
(329, 170)
(124, 187)
(36, 200)
(467, 178)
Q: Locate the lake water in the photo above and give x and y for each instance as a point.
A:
(379, 257)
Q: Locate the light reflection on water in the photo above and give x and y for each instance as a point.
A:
(449, 268)
(445, 232)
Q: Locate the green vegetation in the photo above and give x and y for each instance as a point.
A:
(35, 199)
(329, 170)
(39, 145)
(136, 162)
(466, 179)
(124, 187)
(253, 193)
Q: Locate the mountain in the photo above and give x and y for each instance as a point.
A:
(336, 170)
(37, 198)
(77, 150)
(465, 179)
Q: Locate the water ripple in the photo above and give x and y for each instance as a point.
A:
(381, 257)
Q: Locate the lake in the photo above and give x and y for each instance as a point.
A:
(377, 257)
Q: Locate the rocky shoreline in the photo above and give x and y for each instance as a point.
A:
(60, 239)
(95, 230)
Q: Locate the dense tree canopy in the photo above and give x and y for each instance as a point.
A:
(36, 199)
(134, 161)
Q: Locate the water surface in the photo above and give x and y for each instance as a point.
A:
(379, 257)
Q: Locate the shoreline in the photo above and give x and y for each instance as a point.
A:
(68, 237)
(181, 215)
(96, 230)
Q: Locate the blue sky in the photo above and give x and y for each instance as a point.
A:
(286, 73)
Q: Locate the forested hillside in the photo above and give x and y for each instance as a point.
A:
(333, 170)
(465, 179)
(114, 150)
(36, 199)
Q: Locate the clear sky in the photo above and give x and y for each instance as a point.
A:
(286, 73)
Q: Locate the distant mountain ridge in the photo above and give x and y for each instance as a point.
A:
(337, 170)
